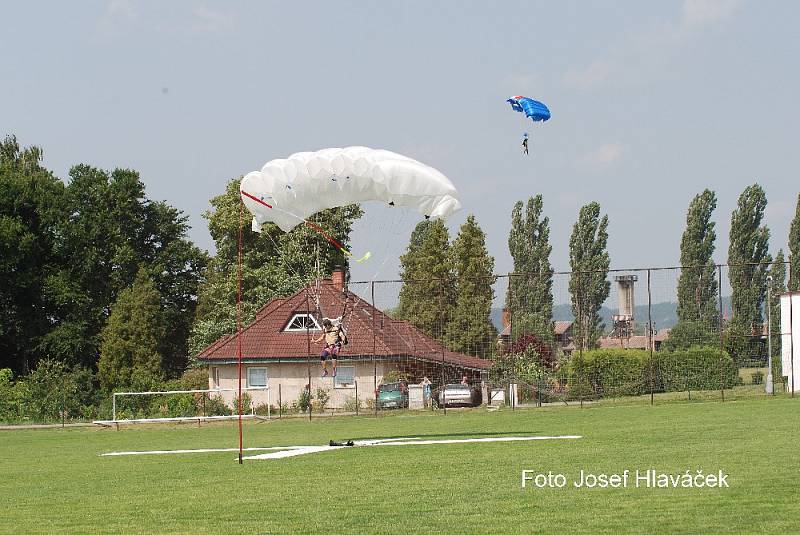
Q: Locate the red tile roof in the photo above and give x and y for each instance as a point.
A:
(369, 332)
(561, 327)
(634, 342)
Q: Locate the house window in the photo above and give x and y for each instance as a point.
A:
(214, 377)
(256, 377)
(301, 322)
(345, 377)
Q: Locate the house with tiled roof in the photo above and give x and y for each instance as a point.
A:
(279, 353)
(634, 342)
(562, 331)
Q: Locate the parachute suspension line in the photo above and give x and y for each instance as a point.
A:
(312, 289)
(239, 326)
(318, 284)
(396, 224)
(311, 225)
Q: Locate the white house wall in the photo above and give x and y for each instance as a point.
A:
(790, 339)
(291, 378)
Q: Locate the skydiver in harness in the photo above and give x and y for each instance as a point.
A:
(525, 143)
(334, 339)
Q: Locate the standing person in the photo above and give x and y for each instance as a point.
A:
(426, 390)
(333, 344)
(465, 381)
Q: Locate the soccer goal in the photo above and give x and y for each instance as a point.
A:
(187, 405)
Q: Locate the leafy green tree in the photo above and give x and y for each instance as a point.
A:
(588, 284)
(53, 390)
(794, 249)
(111, 230)
(132, 338)
(274, 263)
(530, 295)
(749, 259)
(30, 211)
(428, 294)
(470, 329)
(698, 315)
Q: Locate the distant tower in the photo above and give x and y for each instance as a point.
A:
(624, 321)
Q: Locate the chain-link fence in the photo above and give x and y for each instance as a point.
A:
(650, 335)
(622, 336)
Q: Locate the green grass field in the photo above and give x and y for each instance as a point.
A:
(54, 480)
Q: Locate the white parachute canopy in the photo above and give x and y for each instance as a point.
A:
(288, 191)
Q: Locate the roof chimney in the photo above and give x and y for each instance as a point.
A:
(337, 276)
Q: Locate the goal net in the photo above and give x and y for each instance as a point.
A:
(187, 405)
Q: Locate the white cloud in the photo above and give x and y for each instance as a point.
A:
(603, 157)
(118, 13)
(205, 19)
(702, 12)
(656, 43)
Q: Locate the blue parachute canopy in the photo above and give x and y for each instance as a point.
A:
(532, 108)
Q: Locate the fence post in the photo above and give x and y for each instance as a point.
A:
(280, 403)
(63, 401)
(650, 329)
(791, 344)
(374, 350)
(358, 402)
(721, 335)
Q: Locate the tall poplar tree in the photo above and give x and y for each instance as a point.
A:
(748, 257)
(588, 284)
(698, 314)
(470, 329)
(428, 294)
(530, 295)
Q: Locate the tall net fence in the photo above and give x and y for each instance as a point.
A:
(648, 335)
(624, 336)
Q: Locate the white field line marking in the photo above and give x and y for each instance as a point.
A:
(207, 450)
(402, 442)
(370, 442)
(281, 452)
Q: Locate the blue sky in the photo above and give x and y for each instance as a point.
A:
(652, 102)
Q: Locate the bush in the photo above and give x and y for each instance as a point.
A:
(351, 404)
(758, 377)
(630, 372)
(609, 373)
(194, 379)
(247, 404)
(52, 390)
(9, 402)
(264, 409)
(696, 368)
(216, 406)
(303, 401)
(321, 399)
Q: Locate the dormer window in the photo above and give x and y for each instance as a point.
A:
(302, 322)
